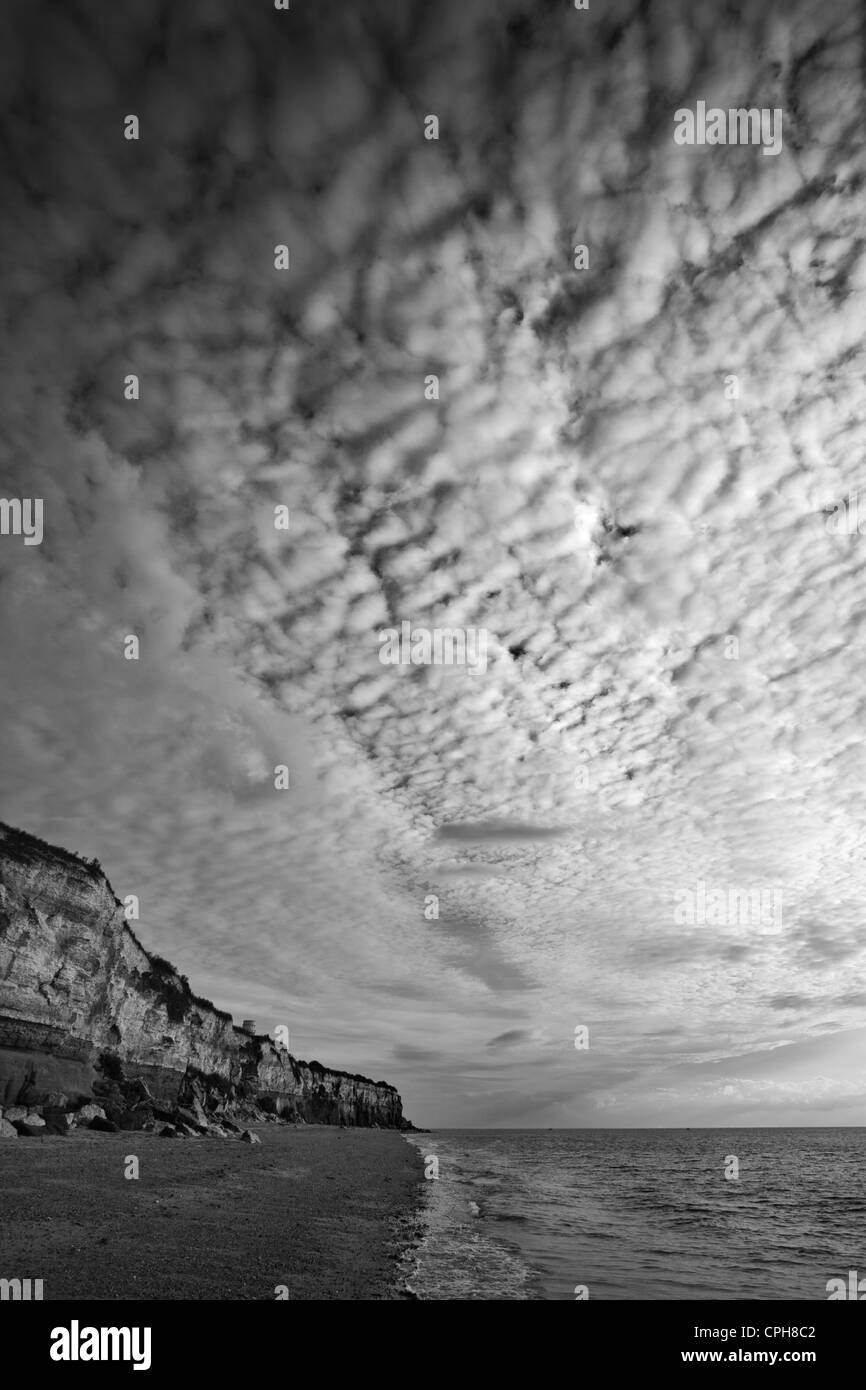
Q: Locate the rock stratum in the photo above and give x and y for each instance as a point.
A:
(94, 1026)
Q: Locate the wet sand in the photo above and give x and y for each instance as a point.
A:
(324, 1211)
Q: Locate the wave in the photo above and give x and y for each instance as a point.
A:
(455, 1258)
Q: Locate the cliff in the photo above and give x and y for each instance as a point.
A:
(85, 1010)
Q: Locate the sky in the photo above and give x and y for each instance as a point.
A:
(633, 481)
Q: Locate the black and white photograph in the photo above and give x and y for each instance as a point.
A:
(432, 656)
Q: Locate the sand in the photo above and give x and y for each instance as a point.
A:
(324, 1211)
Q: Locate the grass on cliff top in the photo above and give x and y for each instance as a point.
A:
(24, 842)
(175, 992)
(350, 1075)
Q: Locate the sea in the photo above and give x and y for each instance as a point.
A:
(639, 1213)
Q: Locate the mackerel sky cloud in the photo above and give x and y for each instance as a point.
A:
(675, 632)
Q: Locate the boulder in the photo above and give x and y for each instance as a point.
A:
(190, 1118)
(31, 1128)
(248, 1137)
(111, 1098)
(104, 1126)
(170, 1132)
(58, 1121)
(7, 1131)
(134, 1119)
(15, 1112)
(89, 1112)
(138, 1092)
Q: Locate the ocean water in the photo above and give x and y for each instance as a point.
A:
(640, 1214)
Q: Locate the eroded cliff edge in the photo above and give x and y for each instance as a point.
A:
(82, 1003)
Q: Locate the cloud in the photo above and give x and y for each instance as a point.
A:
(405, 1052)
(470, 871)
(478, 832)
(511, 1038)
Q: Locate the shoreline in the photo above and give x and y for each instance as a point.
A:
(321, 1212)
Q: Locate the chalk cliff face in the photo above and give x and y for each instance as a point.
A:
(76, 985)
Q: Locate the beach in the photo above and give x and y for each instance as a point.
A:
(322, 1211)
